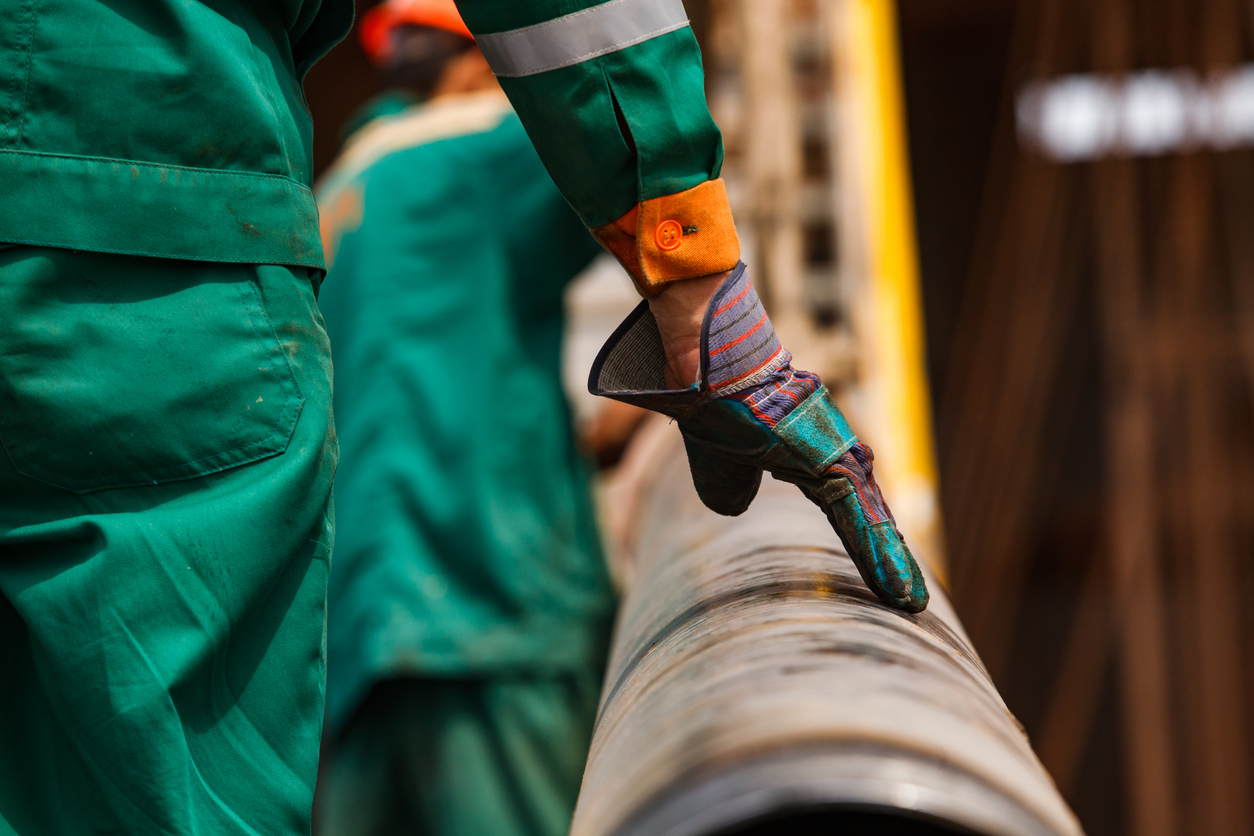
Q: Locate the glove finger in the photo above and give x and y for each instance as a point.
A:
(877, 549)
(725, 487)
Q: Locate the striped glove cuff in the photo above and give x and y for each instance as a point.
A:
(741, 359)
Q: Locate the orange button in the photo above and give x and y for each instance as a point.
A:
(669, 235)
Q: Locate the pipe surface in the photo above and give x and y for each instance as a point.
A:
(755, 682)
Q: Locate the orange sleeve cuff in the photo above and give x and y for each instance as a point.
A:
(680, 236)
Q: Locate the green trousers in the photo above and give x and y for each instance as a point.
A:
(164, 544)
(429, 757)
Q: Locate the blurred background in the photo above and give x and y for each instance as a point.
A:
(1018, 237)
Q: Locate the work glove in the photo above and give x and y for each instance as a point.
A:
(750, 412)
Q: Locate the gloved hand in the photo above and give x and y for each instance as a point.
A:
(750, 411)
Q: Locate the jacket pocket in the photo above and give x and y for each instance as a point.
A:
(119, 372)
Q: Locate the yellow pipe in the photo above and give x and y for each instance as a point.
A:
(897, 387)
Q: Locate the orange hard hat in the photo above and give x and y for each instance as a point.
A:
(377, 23)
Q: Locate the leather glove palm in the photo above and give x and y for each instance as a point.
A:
(752, 412)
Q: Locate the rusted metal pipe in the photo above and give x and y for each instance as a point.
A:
(756, 683)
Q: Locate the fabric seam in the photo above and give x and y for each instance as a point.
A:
(60, 245)
(30, 62)
(226, 172)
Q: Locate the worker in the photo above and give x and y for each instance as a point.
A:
(165, 417)
(469, 607)
(165, 378)
(611, 94)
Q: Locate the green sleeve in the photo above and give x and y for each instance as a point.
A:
(616, 129)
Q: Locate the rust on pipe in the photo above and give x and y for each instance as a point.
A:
(756, 685)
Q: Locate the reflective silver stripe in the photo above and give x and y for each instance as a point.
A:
(578, 37)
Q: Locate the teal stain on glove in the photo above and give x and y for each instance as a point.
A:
(751, 412)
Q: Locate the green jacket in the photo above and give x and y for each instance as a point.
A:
(162, 127)
(178, 128)
(466, 542)
(612, 95)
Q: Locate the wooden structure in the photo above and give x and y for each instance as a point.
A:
(1101, 372)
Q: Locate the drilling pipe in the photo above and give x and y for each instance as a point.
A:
(757, 686)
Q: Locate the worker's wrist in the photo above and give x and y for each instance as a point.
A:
(704, 338)
(679, 309)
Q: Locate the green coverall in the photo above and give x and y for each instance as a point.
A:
(467, 563)
(164, 380)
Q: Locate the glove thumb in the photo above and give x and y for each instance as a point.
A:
(724, 486)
